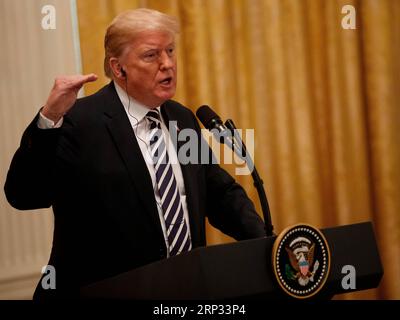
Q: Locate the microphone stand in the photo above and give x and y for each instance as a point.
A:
(241, 151)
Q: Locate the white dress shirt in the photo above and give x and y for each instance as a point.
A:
(136, 113)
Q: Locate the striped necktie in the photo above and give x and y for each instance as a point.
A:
(176, 226)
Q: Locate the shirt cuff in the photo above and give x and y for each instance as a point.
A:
(46, 123)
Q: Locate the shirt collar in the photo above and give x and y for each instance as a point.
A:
(136, 109)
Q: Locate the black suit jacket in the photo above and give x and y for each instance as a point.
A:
(91, 171)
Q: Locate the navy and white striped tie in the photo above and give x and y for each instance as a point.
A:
(176, 226)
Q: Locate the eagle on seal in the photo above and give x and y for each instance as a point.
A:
(301, 260)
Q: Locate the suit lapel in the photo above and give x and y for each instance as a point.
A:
(121, 131)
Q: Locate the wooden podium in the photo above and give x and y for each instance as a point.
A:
(241, 270)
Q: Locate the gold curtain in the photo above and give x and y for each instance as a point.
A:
(324, 102)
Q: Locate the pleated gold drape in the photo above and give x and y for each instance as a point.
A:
(324, 102)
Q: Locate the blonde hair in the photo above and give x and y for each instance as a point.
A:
(126, 26)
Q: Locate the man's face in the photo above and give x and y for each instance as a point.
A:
(150, 65)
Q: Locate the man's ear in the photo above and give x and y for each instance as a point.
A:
(117, 69)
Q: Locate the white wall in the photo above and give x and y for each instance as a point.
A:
(30, 58)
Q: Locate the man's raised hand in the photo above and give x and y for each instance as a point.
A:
(63, 95)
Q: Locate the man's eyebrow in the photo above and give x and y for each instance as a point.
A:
(150, 46)
(149, 49)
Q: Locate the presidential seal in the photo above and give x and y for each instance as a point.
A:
(301, 260)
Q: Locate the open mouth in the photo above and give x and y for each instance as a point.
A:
(166, 81)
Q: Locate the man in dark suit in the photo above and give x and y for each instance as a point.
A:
(110, 169)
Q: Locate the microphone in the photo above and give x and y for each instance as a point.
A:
(213, 122)
(209, 118)
(221, 132)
